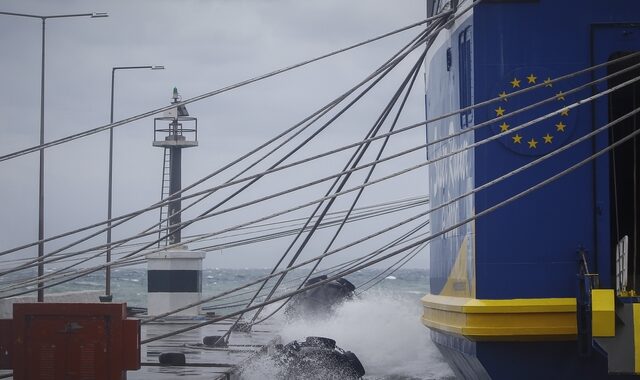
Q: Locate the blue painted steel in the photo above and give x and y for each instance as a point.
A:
(450, 177)
(528, 249)
(629, 299)
(460, 353)
(542, 360)
(518, 253)
(521, 360)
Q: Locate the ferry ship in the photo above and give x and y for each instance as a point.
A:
(529, 267)
(531, 108)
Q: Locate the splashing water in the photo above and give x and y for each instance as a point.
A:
(382, 329)
(261, 368)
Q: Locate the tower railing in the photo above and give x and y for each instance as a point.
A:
(170, 134)
(167, 135)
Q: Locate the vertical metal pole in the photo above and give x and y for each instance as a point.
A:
(107, 274)
(175, 184)
(635, 199)
(41, 181)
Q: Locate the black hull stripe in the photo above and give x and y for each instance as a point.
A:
(174, 281)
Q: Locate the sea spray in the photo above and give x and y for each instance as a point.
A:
(383, 329)
(261, 368)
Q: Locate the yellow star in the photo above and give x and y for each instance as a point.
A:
(564, 112)
(532, 79)
(504, 127)
(560, 127)
(547, 82)
(515, 82)
(500, 111)
(533, 144)
(560, 95)
(547, 139)
(517, 139)
(503, 95)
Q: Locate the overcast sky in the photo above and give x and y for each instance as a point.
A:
(204, 45)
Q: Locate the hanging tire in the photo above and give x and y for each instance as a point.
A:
(172, 359)
(214, 341)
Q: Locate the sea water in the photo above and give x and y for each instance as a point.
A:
(381, 325)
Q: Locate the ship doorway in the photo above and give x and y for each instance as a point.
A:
(624, 166)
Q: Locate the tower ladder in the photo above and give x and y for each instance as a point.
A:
(163, 225)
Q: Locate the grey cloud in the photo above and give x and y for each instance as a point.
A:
(204, 45)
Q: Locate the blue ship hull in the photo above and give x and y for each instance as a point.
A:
(505, 293)
(522, 360)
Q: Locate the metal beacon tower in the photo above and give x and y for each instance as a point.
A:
(175, 274)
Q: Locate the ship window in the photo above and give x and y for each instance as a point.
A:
(431, 7)
(466, 80)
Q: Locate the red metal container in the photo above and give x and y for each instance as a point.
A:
(74, 341)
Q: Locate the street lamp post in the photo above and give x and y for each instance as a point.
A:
(41, 176)
(107, 290)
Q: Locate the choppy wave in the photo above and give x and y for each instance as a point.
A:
(382, 328)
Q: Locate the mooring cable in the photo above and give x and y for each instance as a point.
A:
(564, 77)
(580, 102)
(227, 166)
(423, 145)
(408, 236)
(356, 159)
(486, 185)
(408, 83)
(394, 253)
(383, 71)
(211, 93)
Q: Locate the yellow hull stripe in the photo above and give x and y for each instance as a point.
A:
(636, 336)
(515, 319)
(603, 313)
(458, 283)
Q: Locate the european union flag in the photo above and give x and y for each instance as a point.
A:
(544, 136)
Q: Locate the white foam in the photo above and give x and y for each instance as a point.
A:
(384, 331)
(261, 368)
